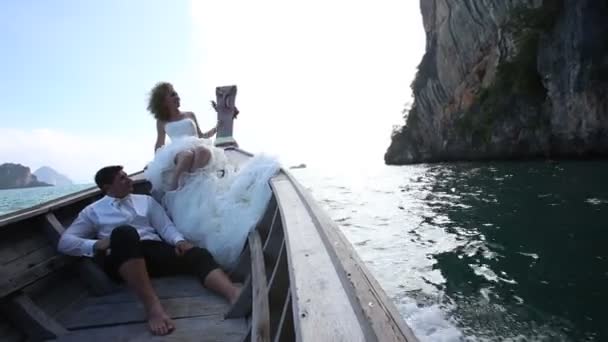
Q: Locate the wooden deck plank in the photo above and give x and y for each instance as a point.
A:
(133, 312)
(57, 291)
(30, 319)
(166, 287)
(19, 243)
(10, 282)
(53, 228)
(323, 307)
(27, 261)
(260, 315)
(186, 329)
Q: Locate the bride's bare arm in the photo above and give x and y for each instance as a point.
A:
(205, 135)
(160, 135)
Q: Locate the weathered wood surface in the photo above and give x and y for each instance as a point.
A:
(57, 291)
(186, 329)
(29, 269)
(225, 108)
(20, 242)
(29, 318)
(323, 307)
(260, 316)
(168, 287)
(53, 228)
(377, 308)
(196, 311)
(88, 316)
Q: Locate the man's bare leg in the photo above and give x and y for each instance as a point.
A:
(134, 272)
(219, 282)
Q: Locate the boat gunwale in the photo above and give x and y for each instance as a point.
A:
(358, 282)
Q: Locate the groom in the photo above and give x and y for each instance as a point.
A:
(132, 238)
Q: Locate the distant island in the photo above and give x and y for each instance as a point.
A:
(50, 176)
(15, 176)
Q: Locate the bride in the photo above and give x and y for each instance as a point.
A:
(212, 204)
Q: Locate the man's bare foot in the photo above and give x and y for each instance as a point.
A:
(159, 322)
(235, 293)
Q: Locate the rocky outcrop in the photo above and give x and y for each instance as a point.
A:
(50, 176)
(17, 176)
(508, 79)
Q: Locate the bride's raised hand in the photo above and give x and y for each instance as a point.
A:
(234, 115)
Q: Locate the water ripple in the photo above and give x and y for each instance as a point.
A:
(482, 252)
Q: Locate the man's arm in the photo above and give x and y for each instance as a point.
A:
(207, 135)
(162, 223)
(78, 239)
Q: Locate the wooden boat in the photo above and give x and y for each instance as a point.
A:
(302, 281)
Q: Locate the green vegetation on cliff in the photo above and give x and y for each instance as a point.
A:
(517, 79)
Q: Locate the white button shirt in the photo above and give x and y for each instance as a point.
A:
(98, 219)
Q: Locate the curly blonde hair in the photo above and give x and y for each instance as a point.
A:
(156, 103)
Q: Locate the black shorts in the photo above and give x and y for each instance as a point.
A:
(160, 257)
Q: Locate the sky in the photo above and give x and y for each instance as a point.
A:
(320, 82)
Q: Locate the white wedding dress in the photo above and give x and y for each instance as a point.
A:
(215, 207)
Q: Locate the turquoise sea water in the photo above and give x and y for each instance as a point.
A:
(512, 251)
(15, 199)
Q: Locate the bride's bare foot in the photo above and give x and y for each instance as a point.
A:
(159, 322)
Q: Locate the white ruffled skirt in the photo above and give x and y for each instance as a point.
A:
(215, 210)
(160, 170)
(218, 212)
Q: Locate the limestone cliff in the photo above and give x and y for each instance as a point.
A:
(508, 79)
(17, 176)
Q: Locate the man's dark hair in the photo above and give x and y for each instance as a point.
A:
(105, 176)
